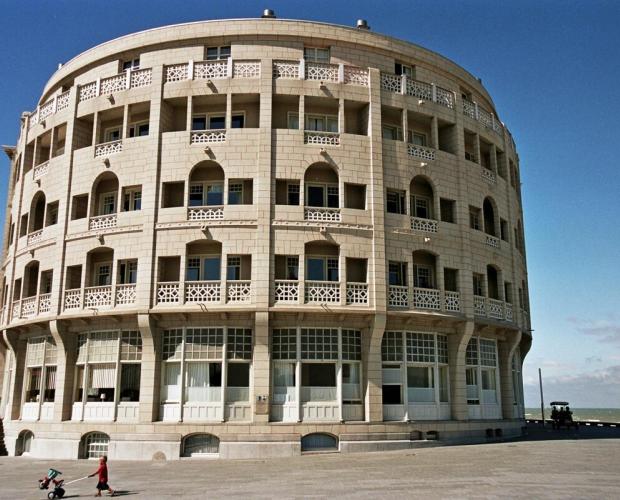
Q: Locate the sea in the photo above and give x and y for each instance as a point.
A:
(584, 414)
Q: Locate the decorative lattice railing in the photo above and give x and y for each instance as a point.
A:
(322, 214)
(125, 294)
(168, 293)
(238, 291)
(98, 296)
(130, 79)
(398, 296)
(357, 293)
(322, 292)
(49, 108)
(286, 291)
(479, 306)
(203, 291)
(495, 309)
(102, 222)
(426, 298)
(401, 84)
(35, 237)
(421, 152)
(45, 303)
(322, 72)
(488, 175)
(28, 307)
(73, 299)
(424, 225)
(108, 148)
(322, 138)
(40, 170)
(207, 136)
(492, 241)
(205, 213)
(452, 301)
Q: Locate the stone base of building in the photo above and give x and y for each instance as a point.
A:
(162, 441)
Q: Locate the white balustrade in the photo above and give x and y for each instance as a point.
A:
(469, 108)
(87, 91)
(45, 303)
(444, 97)
(424, 225)
(356, 76)
(391, 83)
(286, 69)
(398, 296)
(420, 90)
(140, 78)
(35, 237)
(28, 308)
(322, 214)
(108, 148)
(452, 301)
(421, 152)
(321, 138)
(323, 72)
(357, 293)
(238, 291)
(16, 309)
(207, 136)
(286, 291)
(485, 117)
(488, 175)
(113, 84)
(246, 69)
(168, 293)
(215, 212)
(125, 294)
(479, 306)
(492, 241)
(508, 311)
(46, 110)
(40, 170)
(102, 222)
(320, 292)
(98, 296)
(62, 101)
(495, 309)
(203, 291)
(177, 72)
(426, 298)
(210, 70)
(73, 298)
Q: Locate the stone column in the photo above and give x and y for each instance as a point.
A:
(17, 347)
(371, 355)
(457, 345)
(65, 370)
(261, 366)
(506, 349)
(149, 371)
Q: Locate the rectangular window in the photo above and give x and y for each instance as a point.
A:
(139, 129)
(316, 54)
(292, 120)
(420, 384)
(416, 138)
(474, 218)
(398, 273)
(292, 268)
(131, 64)
(218, 53)
(477, 280)
(322, 123)
(503, 228)
(199, 122)
(103, 274)
(395, 201)
(322, 195)
(420, 207)
(132, 199)
(107, 204)
(322, 269)
(423, 276)
(216, 122)
(392, 133)
(235, 193)
(319, 344)
(237, 121)
(112, 134)
(403, 69)
(450, 279)
(471, 381)
(284, 343)
(292, 194)
(130, 382)
(127, 272)
(233, 268)
(448, 210)
(51, 214)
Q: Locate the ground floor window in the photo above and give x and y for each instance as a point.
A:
(95, 445)
(200, 444)
(415, 368)
(481, 372)
(40, 377)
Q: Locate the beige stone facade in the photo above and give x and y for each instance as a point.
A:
(249, 237)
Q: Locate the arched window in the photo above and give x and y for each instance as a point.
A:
(104, 198)
(24, 442)
(94, 445)
(200, 444)
(206, 185)
(37, 212)
(488, 210)
(421, 198)
(319, 441)
(321, 186)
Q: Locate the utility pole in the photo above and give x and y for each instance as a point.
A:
(542, 401)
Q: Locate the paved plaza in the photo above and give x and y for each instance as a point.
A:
(581, 468)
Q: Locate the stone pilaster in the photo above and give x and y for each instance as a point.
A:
(150, 370)
(65, 370)
(506, 349)
(17, 347)
(457, 345)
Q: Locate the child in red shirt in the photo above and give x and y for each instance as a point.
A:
(102, 472)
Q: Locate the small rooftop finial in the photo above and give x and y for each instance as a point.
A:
(268, 14)
(362, 24)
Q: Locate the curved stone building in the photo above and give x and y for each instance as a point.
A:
(258, 237)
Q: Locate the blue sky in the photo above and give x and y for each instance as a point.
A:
(553, 70)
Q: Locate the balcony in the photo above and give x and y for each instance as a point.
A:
(286, 291)
(212, 212)
(94, 297)
(211, 70)
(31, 307)
(488, 175)
(321, 214)
(424, 299)
(492, 308)
(238, 291)
(488, 119)
(401, 84)
(322, 72)
(322, 292)
(207, 136)
(492, 241)
(203, 292)
(49, 108)
(108, 148)
(40, 170)
(452, 301)
(34, 237)
(322, 138)
(102, 222)
(421, 152)
(424, 225)
(129, 79)
(398, 296)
